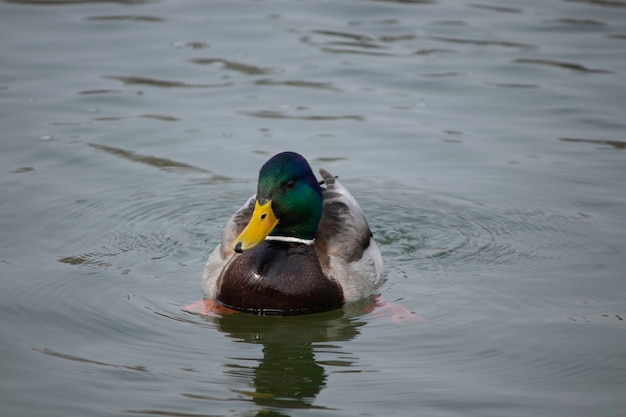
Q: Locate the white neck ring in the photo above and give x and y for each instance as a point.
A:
(290, 239)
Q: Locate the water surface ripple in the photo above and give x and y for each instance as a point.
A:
(484, 141)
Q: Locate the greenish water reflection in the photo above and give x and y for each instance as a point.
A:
(289, 375)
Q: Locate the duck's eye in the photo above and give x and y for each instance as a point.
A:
(290, 184)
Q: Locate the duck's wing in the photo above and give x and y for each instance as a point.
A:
(348, 253)
(343, 229)
(223, 253)
(235, 226)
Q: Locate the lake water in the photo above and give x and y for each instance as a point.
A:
(485, 141)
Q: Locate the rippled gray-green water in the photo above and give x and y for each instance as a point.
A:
(485, 140)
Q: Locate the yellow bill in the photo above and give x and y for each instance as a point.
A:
(261, 224)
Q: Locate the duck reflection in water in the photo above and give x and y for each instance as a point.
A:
(288, 375)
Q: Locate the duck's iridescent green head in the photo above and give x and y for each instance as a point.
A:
(288, 202)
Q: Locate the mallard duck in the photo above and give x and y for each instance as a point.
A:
(294, 247)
